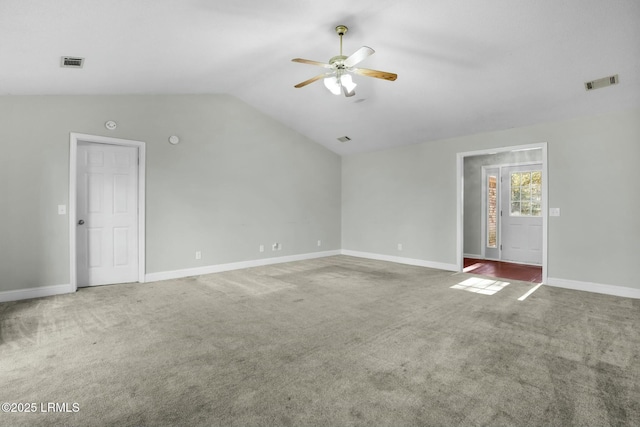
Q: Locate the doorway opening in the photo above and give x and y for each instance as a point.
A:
(106, 210)
(502, 211)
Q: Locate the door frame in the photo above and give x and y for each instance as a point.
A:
(74, 138)
(460, 198)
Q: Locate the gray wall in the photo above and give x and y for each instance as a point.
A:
(238, 179)
(473, 191)
(408, 195)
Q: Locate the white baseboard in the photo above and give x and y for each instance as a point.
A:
(219, 268)
(475, 256)
(401, 260)
(599, 288)
(42, 291)
(45, 291)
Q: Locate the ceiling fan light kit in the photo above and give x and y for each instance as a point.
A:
(338, 79)
(340, 84)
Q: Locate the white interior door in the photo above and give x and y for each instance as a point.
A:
(522, 214)
(106, 214)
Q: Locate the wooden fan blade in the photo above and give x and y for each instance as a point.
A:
(358, 56)
(308, 61)
(375, 73)
(311, 80)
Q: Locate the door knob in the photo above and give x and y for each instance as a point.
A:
(81, 222)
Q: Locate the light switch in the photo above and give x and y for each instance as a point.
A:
(554, 211)
(62, 209)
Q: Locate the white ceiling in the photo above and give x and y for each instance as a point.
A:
(464, 66)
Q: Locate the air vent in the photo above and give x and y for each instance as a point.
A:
(71, 62)
(344, 139)
(603, 82)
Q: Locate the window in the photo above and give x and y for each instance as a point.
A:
(492, 211)
(526, 194)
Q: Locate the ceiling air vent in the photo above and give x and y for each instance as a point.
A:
(71, 62)
(344, 139)
(603, 82)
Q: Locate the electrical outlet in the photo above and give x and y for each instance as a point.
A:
(319, 242)
(62, 209)
(399, 246)
(198, 255)
(261, 248)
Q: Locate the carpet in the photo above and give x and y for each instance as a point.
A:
(337, 341)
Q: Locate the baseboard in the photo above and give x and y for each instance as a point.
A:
(599, 288)
(219, 268)
(39, 292)
(474, 256)
(402, 260)
(45, 291)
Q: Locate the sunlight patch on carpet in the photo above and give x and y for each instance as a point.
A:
(472, 267)
(532, 290)
(480, 286)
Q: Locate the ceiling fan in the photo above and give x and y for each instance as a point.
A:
(338, 79)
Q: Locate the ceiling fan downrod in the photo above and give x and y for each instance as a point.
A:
(341, 30)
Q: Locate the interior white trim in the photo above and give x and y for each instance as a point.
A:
(599, 288)
(73, 154)
(508, 165)
(39, 292)
(476, 256)
(402, 260)
(219, 268)
(460, 197)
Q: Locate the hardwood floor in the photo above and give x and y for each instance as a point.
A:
(503, 270)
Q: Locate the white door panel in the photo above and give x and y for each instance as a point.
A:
(93, 248)
(521, 217)
(107, 234)
(121, 246)
(535, 238)
(514, 231)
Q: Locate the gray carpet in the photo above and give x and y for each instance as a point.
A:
(338, 341)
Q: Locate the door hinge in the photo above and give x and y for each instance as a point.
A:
(500, 212)
(500, 246)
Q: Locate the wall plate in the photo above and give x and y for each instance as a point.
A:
(174, 139)
(111, 125)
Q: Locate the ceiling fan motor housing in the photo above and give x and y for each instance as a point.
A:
(338, 61)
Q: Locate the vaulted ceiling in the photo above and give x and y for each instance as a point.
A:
(464, 66)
